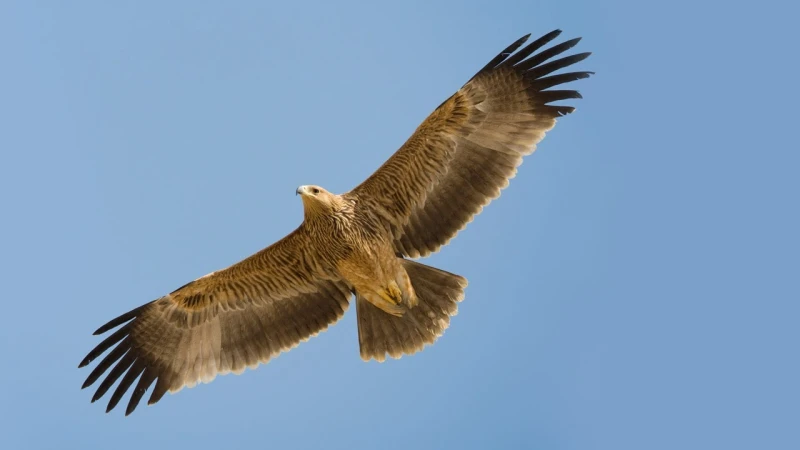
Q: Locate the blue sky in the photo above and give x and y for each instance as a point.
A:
(635, 287)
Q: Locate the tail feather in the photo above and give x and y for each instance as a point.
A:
(380, 333)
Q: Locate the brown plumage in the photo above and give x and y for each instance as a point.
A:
(454, 164)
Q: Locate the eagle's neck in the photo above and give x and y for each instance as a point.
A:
(324, 216)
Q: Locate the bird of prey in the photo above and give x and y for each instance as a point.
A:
(358, 243)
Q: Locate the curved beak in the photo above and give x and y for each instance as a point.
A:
(300, 190)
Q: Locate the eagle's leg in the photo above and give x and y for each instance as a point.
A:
(384, 301)
(408, 293)
(392, 293)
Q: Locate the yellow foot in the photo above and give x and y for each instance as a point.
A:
(389, 300)
(409, 295)
(385, 303)
(393, 291)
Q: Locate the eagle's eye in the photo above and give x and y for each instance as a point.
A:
(315, 191)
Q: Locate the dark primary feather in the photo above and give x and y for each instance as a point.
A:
(505, 53)
(528, 49)
(105, 344)
(119, 320)
(541, 57)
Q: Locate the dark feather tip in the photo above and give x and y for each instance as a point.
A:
(522, 40)
(113, 323)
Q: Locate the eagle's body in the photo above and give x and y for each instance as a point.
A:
(358, 247)
(359, 242)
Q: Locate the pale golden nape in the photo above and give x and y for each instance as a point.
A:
(357, 243)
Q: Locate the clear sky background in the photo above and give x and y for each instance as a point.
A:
(634, 288)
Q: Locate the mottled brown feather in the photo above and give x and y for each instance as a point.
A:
(468, 149)
(224, 322)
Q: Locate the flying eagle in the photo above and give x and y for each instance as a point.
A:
(454, 164)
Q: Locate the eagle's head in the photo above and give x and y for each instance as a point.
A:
(317, 200)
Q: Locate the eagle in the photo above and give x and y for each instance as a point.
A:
(361, 243)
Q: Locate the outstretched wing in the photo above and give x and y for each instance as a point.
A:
(468, 149)
(224, 322)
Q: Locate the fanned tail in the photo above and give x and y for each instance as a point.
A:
(380, 333)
